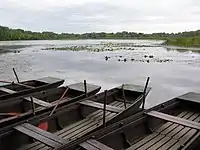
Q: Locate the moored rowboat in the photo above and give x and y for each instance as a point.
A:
(27, 87)
(75, 120)
(16, 109)
(172, 125)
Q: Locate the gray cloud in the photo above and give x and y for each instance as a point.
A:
(102, 15)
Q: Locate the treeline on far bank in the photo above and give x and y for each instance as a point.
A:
(188, 39)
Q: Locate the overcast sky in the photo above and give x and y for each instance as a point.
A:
(101, 15)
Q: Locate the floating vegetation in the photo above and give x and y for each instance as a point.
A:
(80, 48)
(125, 59)
(101, 47)
(150, 56)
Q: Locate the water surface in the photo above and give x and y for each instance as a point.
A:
(172, 72)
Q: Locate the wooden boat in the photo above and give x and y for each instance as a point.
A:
(172, 125)
(75, 120)
(27, 87)
(12, 110)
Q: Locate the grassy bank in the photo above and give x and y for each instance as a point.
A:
(184, 41)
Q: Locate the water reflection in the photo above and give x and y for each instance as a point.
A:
(168, 79)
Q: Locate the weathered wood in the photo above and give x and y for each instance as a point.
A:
(6, 90)
(191, 96)
(122, 100)
(168, 124)
(174, 119)
(38, 102)
(136, 88)
(104, 108)
(40, 135)
(124, 97)
(101, 106)
(182, 130)
(88, 146)
(169, 130)
(177, 133)
(33, 105)
(152, 142)
(144, 92)
(99, 145)
(174, 125)
(85, 88)
(16, 75)
(170, 143)
(59, 101)
(80, 128)
(143, 141)
(49, 80)
(80, 87)
(160, 143)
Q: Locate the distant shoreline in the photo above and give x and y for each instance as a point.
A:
(182, 48)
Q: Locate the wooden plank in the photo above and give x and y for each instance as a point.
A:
(184, 130)
(99, 145)
(163, 130)
(175, 146)
(180, 128)
(166, 125)
(174, 119)
(76, 134)
(100, 106)
(43, 132)
(167, 145)
(38, 137)
(88, 146)
(136, 88)
(143, 141)
(80, 87)
(178, 134)
(69, 132)
(91, 125)
(49, 80)
(174, 125)
(187, 136)
(191, 96)
(122, 100)
(9, 91)
(152, 142)
(77, 124)
(39, 102)
(160, 143)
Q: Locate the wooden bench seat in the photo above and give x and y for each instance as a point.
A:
(169, 136)
(94, 145)
(101, 106)
(80, 128)
(174, 119)
(9, 91)
(40, 135)
(39, 102)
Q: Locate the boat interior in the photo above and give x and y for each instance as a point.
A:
(77, 119)
(173, 125)
(44, 99)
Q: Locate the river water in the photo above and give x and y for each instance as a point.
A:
(171, 72)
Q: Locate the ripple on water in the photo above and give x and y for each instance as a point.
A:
(168, 78)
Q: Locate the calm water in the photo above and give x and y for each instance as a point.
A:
(172, 72)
